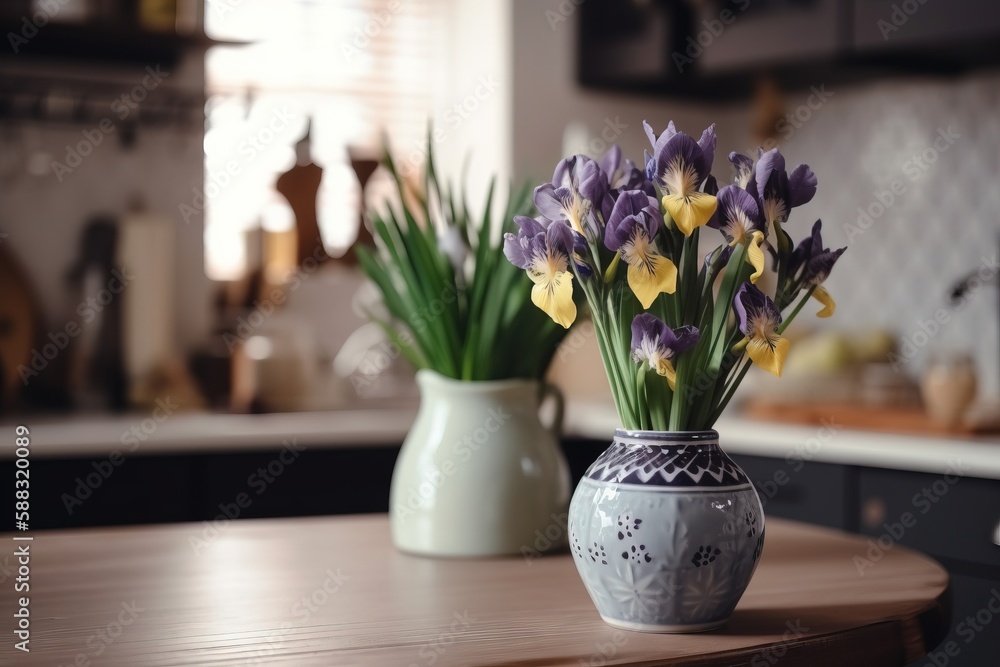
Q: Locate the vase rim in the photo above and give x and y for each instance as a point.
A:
(702, 435)
(432, 377)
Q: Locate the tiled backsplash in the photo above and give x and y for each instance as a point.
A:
(921, 160)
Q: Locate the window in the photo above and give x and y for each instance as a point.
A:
(354, 68)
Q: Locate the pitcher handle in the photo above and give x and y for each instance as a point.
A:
(550, 390)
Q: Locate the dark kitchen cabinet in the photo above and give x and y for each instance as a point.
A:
(949, 516)
(808, 491)
(741, 34)
(717, 50)
(956, 520)
(883, 25)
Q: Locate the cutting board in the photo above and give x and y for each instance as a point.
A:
(860, 417)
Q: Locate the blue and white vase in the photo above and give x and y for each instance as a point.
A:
(666, 531)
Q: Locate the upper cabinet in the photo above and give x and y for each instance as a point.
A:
(714, 49)
(885, 25)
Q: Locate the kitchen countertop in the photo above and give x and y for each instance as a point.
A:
(186, 433)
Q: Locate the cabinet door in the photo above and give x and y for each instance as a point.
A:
(888, 24)
(946, 516)
(803, 491)
(737, 35)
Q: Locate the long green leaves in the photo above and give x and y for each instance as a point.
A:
(456, 304)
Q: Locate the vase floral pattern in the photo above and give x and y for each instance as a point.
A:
(666, 531)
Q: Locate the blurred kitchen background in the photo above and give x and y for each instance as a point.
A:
(209, 149)
(182, 184)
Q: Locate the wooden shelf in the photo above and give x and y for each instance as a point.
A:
(102, 42)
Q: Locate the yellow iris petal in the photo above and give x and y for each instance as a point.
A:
(821, 295)
(651, 277)
(768, 354)
(755, 256)
(691, 211)
(667, 370)
(554, 295)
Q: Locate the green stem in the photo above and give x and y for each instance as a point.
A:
(734, 385)
(640, 387)
(788, 320)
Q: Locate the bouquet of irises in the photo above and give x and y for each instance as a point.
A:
(677, 332)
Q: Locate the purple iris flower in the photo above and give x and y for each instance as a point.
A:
(813, 259)
(657, 344)
(681, 167)
(518, 248)
(744, 168)
(634, 211)
(737, 215)
(657, 143)
(578, 192)
(623, 175)
(631, 230)
(754, 309)
(545, 255)
(759, 319)
(535, 234)
(777, 191)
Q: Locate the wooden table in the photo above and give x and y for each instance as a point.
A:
(332, 591)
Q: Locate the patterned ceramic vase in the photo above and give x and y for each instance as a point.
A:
(666, 531)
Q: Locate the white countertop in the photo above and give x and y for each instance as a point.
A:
(218, 433)
(206, 433)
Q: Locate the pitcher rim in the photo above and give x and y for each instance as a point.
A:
(433, 377)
